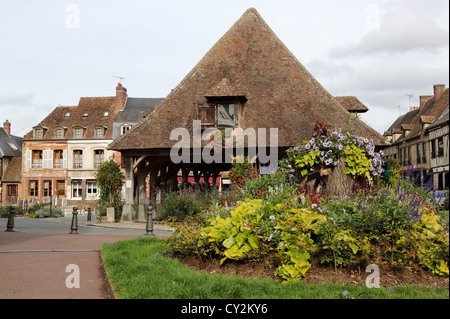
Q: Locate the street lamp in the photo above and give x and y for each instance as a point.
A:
(51, 202)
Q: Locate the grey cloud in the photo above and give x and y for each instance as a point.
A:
(15, 98)
(401, 30)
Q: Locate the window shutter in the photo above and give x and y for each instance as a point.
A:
(28, 159)
(64, 158)
(207, 115)
(50, 159)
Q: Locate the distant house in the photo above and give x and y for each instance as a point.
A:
(415, 145)
(10, 165)
(438, 134)
(62, 152)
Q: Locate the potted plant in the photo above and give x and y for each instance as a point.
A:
(61, 193)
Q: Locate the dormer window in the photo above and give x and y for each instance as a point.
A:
(67, 114)
(125, 128)
(38, 133)
(78, 132)
(85, 114)
(59, 133)
(99, 132)
(106, 114)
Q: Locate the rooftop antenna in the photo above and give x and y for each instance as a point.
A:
(410, 96)
(119, 77)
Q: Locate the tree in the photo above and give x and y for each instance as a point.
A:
(110, 180)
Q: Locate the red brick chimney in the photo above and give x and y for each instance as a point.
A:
(7, 127)
(424, 99)
(438, 90)
(121, 97)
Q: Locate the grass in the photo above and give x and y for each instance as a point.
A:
(138, 270)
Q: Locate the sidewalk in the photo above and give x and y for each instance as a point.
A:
(33, 266)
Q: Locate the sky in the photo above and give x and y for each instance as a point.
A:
(387, 53)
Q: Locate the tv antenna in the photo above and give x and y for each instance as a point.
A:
(410, 96)
(119, 77)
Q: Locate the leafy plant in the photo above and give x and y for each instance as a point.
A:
(110, 180)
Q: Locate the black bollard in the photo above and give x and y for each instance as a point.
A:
(74, 226)
(149, 227)
(10, 225)
(89, 217)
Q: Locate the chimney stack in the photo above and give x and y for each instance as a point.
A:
(438, 90)
(121, 97)
(7, 127)
(424, 99)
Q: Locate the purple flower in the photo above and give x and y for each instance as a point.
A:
(272, 218)
(328, 161)
(270, 237)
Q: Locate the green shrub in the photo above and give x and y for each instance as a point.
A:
(45, 212)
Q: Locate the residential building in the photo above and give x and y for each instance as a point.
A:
(62, 152)
(10, 165)
(438, 134)
(409, 136)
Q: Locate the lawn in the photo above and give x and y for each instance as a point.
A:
(138, 269)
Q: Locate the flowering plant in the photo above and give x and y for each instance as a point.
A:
(325, 148)
(241, 169)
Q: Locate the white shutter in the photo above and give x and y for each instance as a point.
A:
(45, 159)
(50, 159)
(28, 159)
(64, 158)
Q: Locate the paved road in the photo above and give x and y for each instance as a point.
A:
(34, 258)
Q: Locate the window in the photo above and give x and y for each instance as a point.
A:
(99, 157)
(78, 133)
(11, 191)
(58, 159)
(418, 158)
(47, 188)
(409, 155)
(85, 114)
(225, 116)
(77, 159)
(424, 153)
(37, 159)
(433, 148)
(91, 188)
(38, 133)
(440, 142)
(99, 132)
(59, 133)
(106, 114)
(67, 114)
(125, 128)
(77, 191)
(34, 188)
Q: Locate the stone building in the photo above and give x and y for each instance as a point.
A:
(247, 81)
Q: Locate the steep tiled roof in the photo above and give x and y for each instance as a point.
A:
(432, 110)
(248, 60)
(352, 104)
(89, 114)
(13, 171)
